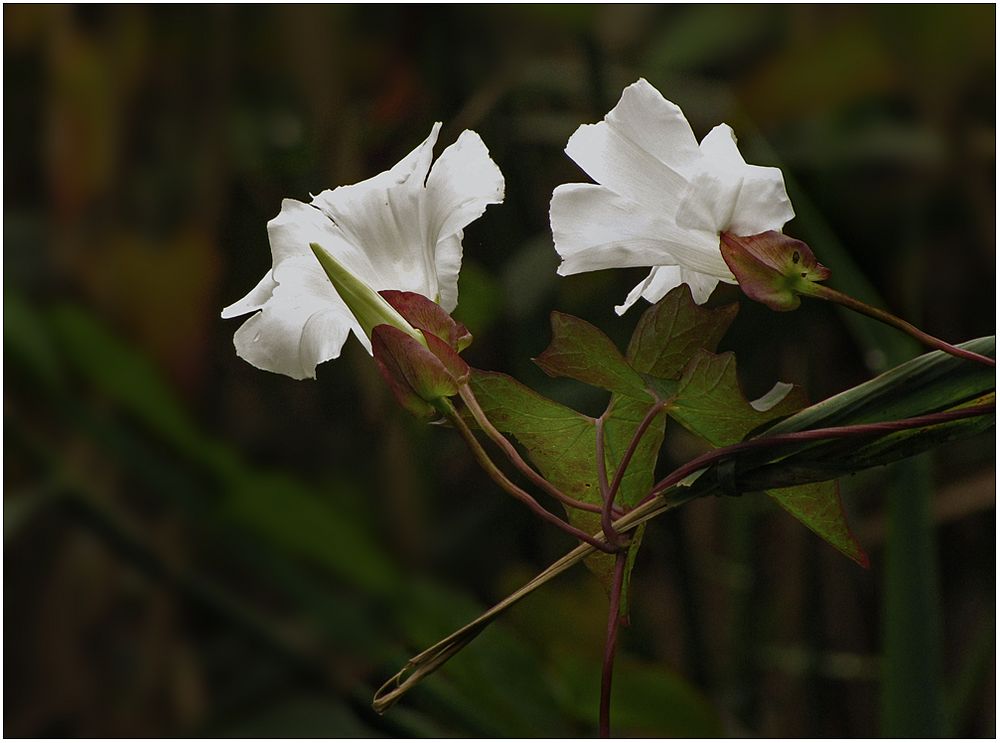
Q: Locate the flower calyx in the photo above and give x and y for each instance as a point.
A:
(772, 268)
(421, 375)
(414, 341)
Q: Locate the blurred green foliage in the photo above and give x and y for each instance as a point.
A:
(195, 547)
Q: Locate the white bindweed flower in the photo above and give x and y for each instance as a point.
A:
(400, 230)
(661, 199)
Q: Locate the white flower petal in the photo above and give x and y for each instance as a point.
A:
(642, 150)
(659, 281)
(299, 224)
(273, 341)
(761, 202)
(411, 171)
(702, 285)
(388, 228)
(400, 230)
(663, 200)
(448, 259)
(256, 299)
(594, 228)
(664, 278)
(462, 183)
(383, 216)
(711, 203)
(303, 324)
(657, 125)
(720, 150)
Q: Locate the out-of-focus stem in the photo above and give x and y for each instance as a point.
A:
(504, 482)
(820, 291)
(611, 643)
(469, 398)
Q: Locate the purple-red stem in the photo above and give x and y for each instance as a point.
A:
(651, 414)
(833, 432)
(519, 493)
(611, 643)
(832, 295)
(469, 398)
(607, 494)
(610, 492)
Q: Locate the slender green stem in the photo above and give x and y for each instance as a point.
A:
(820, 291)
(611, 643)
(469, 398)
(504, 482)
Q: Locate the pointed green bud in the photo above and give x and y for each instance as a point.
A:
(367, 305)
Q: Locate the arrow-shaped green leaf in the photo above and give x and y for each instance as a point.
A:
(580, 351)
(672, 330)
(710, 403)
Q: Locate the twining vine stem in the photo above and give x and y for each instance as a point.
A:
(653, 505)
(422, 665)
(607, 495)
(820, 291)
(651, 414)
(816, 434)
(610, 491)
(504, 482)
(469, 398)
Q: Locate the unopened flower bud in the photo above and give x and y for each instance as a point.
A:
(367, 305)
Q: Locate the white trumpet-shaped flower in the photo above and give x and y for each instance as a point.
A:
(400, 230)
(661, 199)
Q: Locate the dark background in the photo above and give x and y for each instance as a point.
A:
(196, 547)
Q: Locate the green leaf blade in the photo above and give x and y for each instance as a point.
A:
(559, 440)
(621, 422)
(672, 330)
(819, 507)
(582, 352)
(562, 444)
(710, 403)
